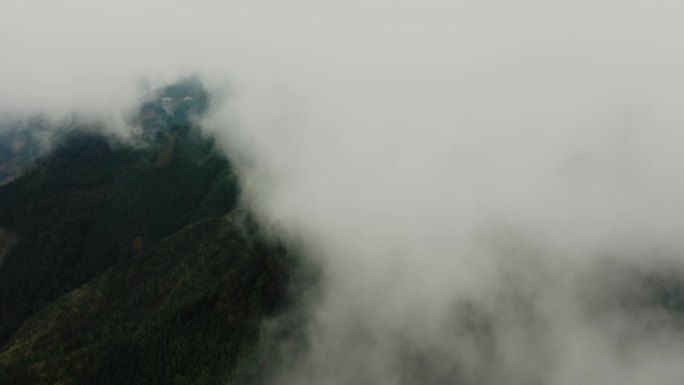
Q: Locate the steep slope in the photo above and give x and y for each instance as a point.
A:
(131, 265)
(180, 312)
(91, 204)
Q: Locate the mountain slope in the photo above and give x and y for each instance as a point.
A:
(180, 312)
(121, 269)
(90, 203)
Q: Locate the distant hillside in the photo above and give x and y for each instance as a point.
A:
(133, 265)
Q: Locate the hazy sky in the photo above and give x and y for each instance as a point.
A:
(443, 161)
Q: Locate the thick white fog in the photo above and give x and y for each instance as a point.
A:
(485, 185)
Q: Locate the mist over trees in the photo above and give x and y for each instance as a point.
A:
(421, 192)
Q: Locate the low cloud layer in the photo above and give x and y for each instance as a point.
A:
(491, 190)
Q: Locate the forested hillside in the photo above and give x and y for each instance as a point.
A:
(131, 263)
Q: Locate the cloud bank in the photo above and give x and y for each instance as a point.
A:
(489, 188)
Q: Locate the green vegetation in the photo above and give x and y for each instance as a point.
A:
(80, 210)
(182, 312)
(132, 265)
